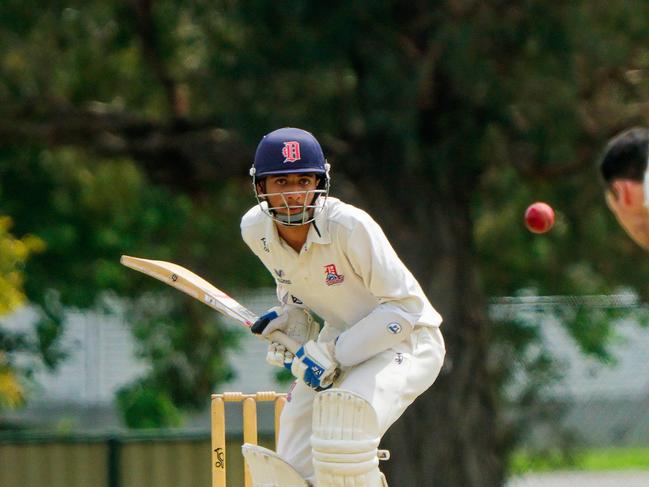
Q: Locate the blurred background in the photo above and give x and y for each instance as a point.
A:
(129, 127)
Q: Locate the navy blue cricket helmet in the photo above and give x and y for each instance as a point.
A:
(290, 151)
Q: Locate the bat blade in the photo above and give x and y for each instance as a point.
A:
(186, 281)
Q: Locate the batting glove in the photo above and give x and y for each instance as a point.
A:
(295, 322)
(278, 356)
(315, 364)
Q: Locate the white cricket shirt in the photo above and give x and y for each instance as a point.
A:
(347, 272)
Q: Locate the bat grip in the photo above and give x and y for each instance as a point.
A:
(262, 322)
(283, 339)
(276, 336)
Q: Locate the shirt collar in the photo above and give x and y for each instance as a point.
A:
(318, 229)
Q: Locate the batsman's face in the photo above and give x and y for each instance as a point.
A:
(290, 193)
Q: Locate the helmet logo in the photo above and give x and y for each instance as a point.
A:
(291, 151)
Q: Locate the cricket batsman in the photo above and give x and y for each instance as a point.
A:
(380, 346)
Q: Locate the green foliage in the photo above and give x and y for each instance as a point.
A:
(11, 391)
(467, 109)
(13, 255)
(185, 343)
(592, 460)
(90, 212)
(14, 252)
(146, 406)
(284, 376)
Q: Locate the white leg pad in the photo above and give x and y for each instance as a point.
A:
(345, 440)
(267, 469)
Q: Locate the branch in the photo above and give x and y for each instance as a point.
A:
(553, 172)
(190, 154)
(601, 116)
(146, 31)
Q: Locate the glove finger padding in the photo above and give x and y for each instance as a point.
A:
(278, 355)
(315, 365)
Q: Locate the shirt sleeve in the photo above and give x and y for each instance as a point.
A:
(401, 299)
(248, 237)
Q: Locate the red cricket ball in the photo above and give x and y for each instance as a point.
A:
(539, 217)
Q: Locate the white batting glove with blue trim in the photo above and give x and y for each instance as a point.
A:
(296, 323)
(315, 364)
(278, 356)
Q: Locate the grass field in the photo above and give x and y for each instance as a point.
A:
(596, 459)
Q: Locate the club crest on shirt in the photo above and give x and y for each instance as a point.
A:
(291, 151)
(280, 276)
(331, 275)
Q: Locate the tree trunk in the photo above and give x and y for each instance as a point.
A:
(448, 437)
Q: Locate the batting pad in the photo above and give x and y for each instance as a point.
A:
(345, 440)
(267, 469)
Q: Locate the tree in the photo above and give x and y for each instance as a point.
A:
(13, 254)
(444, 120)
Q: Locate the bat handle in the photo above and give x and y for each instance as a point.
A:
(262, 322)
(276, 336)
(282, 338)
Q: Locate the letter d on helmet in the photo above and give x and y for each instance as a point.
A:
(290, 151)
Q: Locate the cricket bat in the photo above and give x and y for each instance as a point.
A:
(186, 281)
